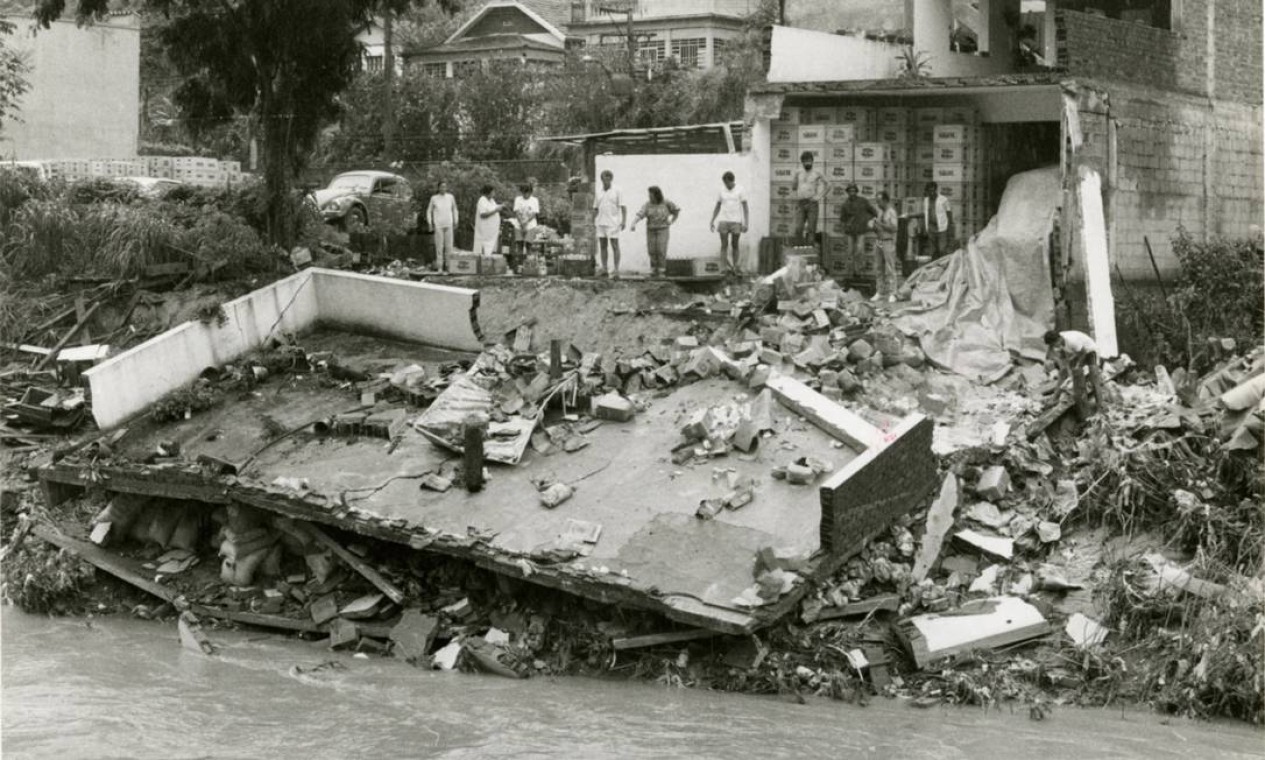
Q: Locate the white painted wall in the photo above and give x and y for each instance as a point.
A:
(803, 55)
(85, 92)
(433, 315)
(692, 182)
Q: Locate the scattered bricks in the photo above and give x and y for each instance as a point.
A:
(827, 378)
(994, 483)
(709, 508)
(351, 423)
(746, 436)
(414, 634)
(792, 343)
(665, 376)
(686, 342)
(323, 609)
(913, 356)
(860, 350)
(738, 498)
(848, 382)
(933, 403)
(759, 376)
(342, 633)
(699, 426)
(554, 494)
(800, 475)
(821, 320)
(271, 602)
(889, 341)
(386, 424)
(770, 356)
(743, 349)
(459, 610)
(363, 607)
(435, 482)
(811, 357)
(613, 406)
(870, 365)
(771, 336)
(702, 363)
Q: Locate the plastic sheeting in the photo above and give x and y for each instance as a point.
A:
(977, 309)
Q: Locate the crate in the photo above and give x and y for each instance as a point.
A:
(892, 135)
(820, 115)
(782, 227)
(576, 266)
(839, 153)
(841, 133)
(678, 268)
(870, 152)
(924, 153)
(955, 133)
(463, 263)
(892, 117)
(961, 115)
(494, 264)
(928, 117)
(790, 115)
(841, 172)
(869, 172)
(781, 209)
(784, 134)
(810, 135)
(854, 115)
(837, 191)
(955, 153)
(708, 266)
(785, 154)
(955, 172)
(782, 191)
(783, 173)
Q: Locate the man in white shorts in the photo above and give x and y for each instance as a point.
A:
(609, 216)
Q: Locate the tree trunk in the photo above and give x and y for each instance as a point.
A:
(277, 172)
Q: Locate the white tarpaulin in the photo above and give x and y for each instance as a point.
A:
(975, 310)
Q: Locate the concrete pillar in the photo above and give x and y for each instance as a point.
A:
(931, 22)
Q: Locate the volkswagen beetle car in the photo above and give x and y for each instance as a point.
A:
(367, 198)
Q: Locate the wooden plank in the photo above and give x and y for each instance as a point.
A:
(357, 564)
(68, 336)
(257, 618)
(654, 639)
(104, 560)
(824, 413)
(886, 602)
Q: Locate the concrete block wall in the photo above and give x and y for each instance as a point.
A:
(1095, 46)
(877, 487)
(1170, 161)
(1238, 62)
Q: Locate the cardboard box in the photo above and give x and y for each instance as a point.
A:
(869, 172)
(781, 191)
(708, 266)
(790, 115)
(821, 115)
(956, 192)
(892, 117)
(782, 133)
(924, 135)
(840, 172)
(780, 209)
(898, 135)
(961, 115)
(785, 154)
(783, 173)
(854, 115)
(818, 152)
(921, 174)
(841, 133)
(834, 225)
(463, 263)
(811, 135)
(837, 191)
(928, 117)
(782, 227)
(954, 172)
(924, 153)
(955, 133)
(868, 189)
(840, 153)
(955, 153)
(871, 152)
(494, 264)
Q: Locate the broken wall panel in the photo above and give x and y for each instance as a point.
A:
(885, 482)
(434, 315)
(127, 384)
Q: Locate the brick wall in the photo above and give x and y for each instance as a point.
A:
(1094, 46)
(1238, 50)
(1178, 161)
(877, 487)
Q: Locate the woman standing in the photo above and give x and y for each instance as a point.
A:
(659, 214)
(487, 222)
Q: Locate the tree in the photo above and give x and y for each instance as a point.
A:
(279, 63)
(13, 71)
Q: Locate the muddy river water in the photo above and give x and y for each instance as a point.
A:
(109, 688)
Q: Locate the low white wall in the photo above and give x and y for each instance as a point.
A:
(433, 315)
(692, 182)
(127, 384)
(802, 55)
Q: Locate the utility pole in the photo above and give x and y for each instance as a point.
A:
(388, 84)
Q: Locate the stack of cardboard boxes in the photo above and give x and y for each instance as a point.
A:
(202, 172)
(894, 150)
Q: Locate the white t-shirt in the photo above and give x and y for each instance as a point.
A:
(442, 211)
(941, 214)
(1077, 343)
(528, 208)
(731, 204)
(486, 230)
(607, 203)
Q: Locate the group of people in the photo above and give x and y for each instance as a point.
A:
(862, 218)
(730, 217)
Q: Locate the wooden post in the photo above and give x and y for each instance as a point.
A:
(475, 426)
(555, 359)
(1078, 393)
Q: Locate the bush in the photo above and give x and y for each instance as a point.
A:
(40, 578)
(102, 190)
(1217, 295)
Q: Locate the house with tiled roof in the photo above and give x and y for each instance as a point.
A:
(540, 32)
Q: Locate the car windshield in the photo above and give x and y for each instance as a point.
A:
(356, 183)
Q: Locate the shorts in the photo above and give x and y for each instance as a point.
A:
(608, 231)
(729, 228)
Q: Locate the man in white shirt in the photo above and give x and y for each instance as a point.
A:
(731, 215)
(937, 216)
(1074, 351)
(885, 270)
(441, 219)
(487, 222)
(526, 209)
(609, 215)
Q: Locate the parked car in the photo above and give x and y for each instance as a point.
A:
(367, 198)
(151, 187)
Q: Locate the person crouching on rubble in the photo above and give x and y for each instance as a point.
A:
(660, 214)
(1074, 351)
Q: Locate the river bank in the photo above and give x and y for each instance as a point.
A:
(65, 680)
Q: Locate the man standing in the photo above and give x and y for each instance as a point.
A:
(441, 220)
(526, 209)
(810, 190)
(731, 211)
(885, 225)
(609, 216)
(936, 218)
(856, 214)
(487, 222)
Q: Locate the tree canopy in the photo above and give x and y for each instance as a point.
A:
(13, 70)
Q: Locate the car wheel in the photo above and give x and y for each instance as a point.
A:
(355, 219)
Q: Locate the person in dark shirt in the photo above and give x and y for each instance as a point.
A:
(856, 214)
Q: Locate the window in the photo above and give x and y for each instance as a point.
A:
(651, 51)
(436, 70)
(374, 64)
(462, 69)
(690, 52)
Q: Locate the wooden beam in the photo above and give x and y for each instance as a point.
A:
(654, 639)
(104, 560)
(356, 563)
(68, 336)
(824, 413)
